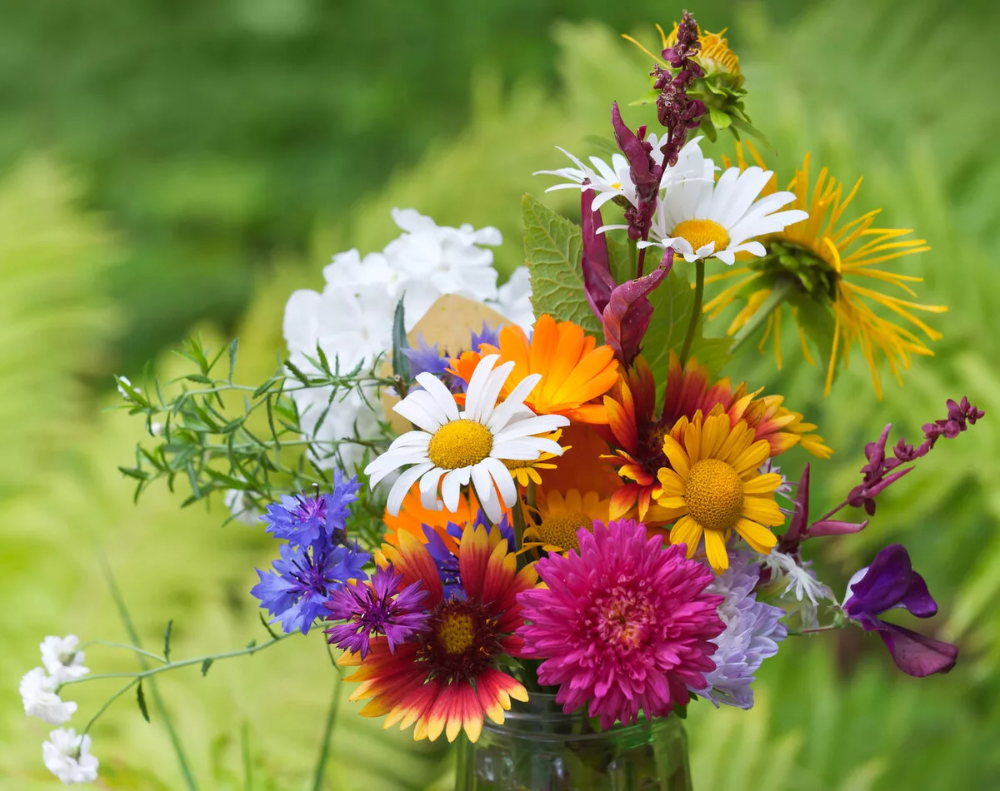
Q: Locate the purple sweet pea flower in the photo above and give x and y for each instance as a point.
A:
(890, 583)
(376, 607)
(305, 577)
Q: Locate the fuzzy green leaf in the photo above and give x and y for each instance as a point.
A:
(552, 247)
(672, 302)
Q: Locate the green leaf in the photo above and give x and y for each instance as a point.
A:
(252, 644)
(552, 246)
(400, 362)
(621, 263)
(141, 700)
(233, 348)
(267, 626)
(818, 323)
(719, 117)
(672, 302)
(205, 666)
(166, 639)
(713, 353)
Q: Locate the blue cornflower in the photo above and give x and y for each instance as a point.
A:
(447, 561)
(426, 359)
(303, 520)
(303, 578)
(376, 607)
(488, 334)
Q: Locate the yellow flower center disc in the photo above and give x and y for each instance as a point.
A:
(700, 232)
(714, 494)
(560, 530)
(461, 443)
(455, 632)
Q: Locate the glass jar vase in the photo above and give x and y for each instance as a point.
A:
(538, 748)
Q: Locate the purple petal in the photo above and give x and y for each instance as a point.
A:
(918, 600)
(626, 317)
(915, 654)
(645, 181)
(797, 526)
(885, 585)
(885, 483)
(598, 282)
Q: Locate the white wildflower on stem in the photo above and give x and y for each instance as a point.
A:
(38, 693)
(62, 659)
(67, 756)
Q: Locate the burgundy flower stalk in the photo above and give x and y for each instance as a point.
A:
(674, 109)
(880, 472)
(645, 174)
(890, 583)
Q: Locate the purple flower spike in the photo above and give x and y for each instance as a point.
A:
(891, 583)
(375, 608)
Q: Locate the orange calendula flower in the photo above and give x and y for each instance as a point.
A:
(413, 516)
(713, 486)
(636, 430)
(826, 265)
(560, 517)
(446, 679)
(574, 369)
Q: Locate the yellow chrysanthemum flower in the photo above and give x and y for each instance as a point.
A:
(713, 486)
(560, 517)
(824, 262)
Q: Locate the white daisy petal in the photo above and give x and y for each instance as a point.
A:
(491, 391)
(513, 404)
(477, 383)
(420, 411)
(486, 492)
(442, 396)
(429, 488)
(451, 487)
(402, 486)
(502, 477)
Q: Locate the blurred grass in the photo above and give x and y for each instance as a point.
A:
(202, 189)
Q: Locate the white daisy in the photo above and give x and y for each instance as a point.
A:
(700, 218)
(68, 756)
(62, 659)
(608, 181)
(455, 448)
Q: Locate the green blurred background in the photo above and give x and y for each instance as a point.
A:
(175, 167)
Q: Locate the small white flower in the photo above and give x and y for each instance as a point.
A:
(800, 580)
(155, 428)
(68, 756)
(514, 300)
(126, 388)
(38, 693)
(455, 448)
(607, 181)
(700, 218)
(62, 659)
(241, 507)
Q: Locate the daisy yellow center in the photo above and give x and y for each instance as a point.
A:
(460, 443)
(700, 232)
(455, 632)
(560, 530)
(714, 494)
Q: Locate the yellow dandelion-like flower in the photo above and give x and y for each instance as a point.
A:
(559, 518)
(825, 262)
(527, 472)
(714, 56)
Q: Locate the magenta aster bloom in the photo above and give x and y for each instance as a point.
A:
(376, 607)
(624, 624)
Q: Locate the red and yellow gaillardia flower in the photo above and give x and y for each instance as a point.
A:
(412, 517)
(714, 486)
(825, 263)
(636, 431)
(574, 369)
(445, 679)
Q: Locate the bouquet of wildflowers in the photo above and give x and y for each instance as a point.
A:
(481, 493)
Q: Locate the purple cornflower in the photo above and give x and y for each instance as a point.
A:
(890, 583)
(447, 561)
(488, 334)
(426, 359)
(304, 577)
(303, 520)
(376, 607)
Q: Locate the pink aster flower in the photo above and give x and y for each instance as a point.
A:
(623, 625)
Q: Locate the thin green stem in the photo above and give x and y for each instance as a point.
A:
(111, 644)
(782, 289)
(133, 634)
(109, 701)
(699, 295)
(324, 753)
(245, 749)
(816, 630)
(185, 663)
(518, 520)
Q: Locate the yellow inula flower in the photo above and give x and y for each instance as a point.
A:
(715, 487)
(559, 518)
(828, 264)
(526, 472)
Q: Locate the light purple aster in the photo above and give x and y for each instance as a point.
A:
(305, 577)
(753, 631)
(303, 520)
(376, 607)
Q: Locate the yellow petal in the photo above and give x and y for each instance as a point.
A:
(715, 548)
(686, 531)
(760, 538)
(672, 483)
(762, 484)
(763, 510)
(679, 458)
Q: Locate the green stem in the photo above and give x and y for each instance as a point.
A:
(518, 518)
(324, 753)
(699, 295)
(185, 663)
(133, 634)
(111, 644)
(245, 749)
(832, 627)
(109, 701)
(774, 300)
